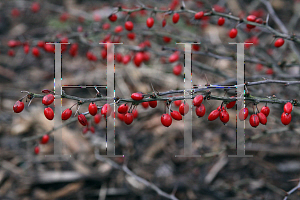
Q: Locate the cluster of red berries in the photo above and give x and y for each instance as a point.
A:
(255, 119)
(286, 116)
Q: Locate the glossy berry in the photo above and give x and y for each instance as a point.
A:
(221, 21)
(48, 99)
(106, 110)
(251, 18)
(184, 108)
(259, 20)
(131, 36)
(230, 104)
(152, 104)
(121, 116)
(243, 114)
(174, 57)
(198, 100)
(45, 139)
(224, 116)
(82, 120)
(146, 56)
(288, 107)
(286, 118)
(135, 113)
(176, 115)
(145, 104)
(35, 7)
(233, 33)
(18, 107)
(200, 110)
(48, 112)
(128, 118)
(119, 58)
(123, 108)
(195, 47)
(105, 26)
(129, 25)
(262, 118)
(166, 120)
(150, 22)
(199, 15)
(167, 39)
(137, 96)
(265, 110)
(26, 49)
(138, 59)
(213, 115)
(126, 59)
(97, 118)
(118, 29)
(113, 17)
(254, 120)
(37, 150)
(163, 23)
(93, 109)
(177, 69)
(66, 114)
(279, 42)
(175, 18)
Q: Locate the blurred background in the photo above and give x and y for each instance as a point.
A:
(27, 64)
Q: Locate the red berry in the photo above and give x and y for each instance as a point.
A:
(150, 22)
(26, 49)
(48, 112)
(41, 44)
(138, 59)
(221, 21)
(97, 118)
(259, 20)
(18, 107)
(129, 25)
(198, 100)
(119, 57)
(46, 91)
(135, 113)
(146, 56)
(184, 108)
(35, 7)
(269, 71)
(259, 67)
(145, 104)
(103, 54)
(196, 47)
(35, 52)
(49, 48)
(131, 36)
(176, 115)
(64, 17)
(13, 43)
(224, 116)
(128, 118)
(82, 120)
(106, 110)
(152, 104)
(66, 114)
(121, 116)
(262, 118)
(279, 42)
(166, 120)
(233, 33)
(176, 17)
(174, 57)
(137, 96)
(164, 22)
(199, 15)
(85, 130)
(288, 107)
(118, 29)
(93, 109)
(45, 139)
(265, 110)
(37, 150)
(254, 120)
(243, 114)
(213, 115)
(200, 110)
(286, 118)
(177, 103)
(167, 39)
(251, 18)
(123, 108)
(105, 26)
(48, 99)
(11, 52)
(113, 17)
(126, 59)
(221, 108)
(230, 104)
(15, 12)
(177, 69)
(92, 129)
